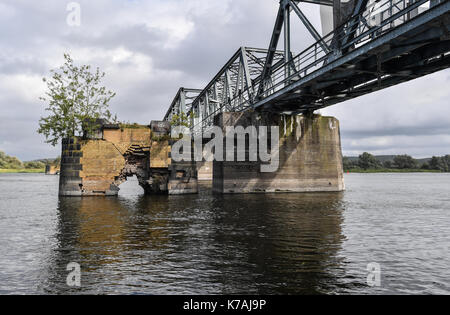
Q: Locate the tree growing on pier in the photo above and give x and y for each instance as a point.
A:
(76, 102)
(181, 120)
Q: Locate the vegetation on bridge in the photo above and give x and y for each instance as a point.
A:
(182, 120)
(76, 102)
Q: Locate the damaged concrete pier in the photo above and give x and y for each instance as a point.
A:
(310, 158)
(98, 165)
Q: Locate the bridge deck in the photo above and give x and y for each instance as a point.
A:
(398, 50)
(389, 42)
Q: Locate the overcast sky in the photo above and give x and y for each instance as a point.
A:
(151, 48)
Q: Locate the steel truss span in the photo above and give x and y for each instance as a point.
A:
(378, 45)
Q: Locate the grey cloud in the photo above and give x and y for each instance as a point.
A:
(417, 146)
(411, 118)
(428, 130)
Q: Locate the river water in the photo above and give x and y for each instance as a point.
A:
(241, 244)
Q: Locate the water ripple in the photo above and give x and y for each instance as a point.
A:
(243, 244)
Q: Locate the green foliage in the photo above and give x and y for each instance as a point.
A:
(404, 162)
(128, 125)
(181, 120)
(368, 161)
(349, 164)
(9, 162)
(34, 165)
(75, 100)
(440, 163)
(446, 160)
(13, 164)
(392, 170)
(11, 170)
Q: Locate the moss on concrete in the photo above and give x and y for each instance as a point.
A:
(132, 126)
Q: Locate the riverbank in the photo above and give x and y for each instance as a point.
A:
(390, 170)
(34, 171)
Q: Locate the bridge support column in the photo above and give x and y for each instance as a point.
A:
(183, 178)
(70, 182)
(310, 157)
(89, 168)
(205, 171)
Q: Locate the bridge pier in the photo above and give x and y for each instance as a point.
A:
(205, 171)
(310, 157)
(183, 178)
(99, 165)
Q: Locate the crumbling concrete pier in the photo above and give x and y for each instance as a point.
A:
(310, 157)
(98, 165)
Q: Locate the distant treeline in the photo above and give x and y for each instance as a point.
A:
(367, 161)
(10, 162)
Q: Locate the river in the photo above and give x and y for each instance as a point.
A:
(234, 244)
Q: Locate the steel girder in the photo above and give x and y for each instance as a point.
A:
(283, 22)
(233, 88)
(182, 103)
(321, 2)
(349, 34)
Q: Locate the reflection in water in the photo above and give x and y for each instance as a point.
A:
(200, 244)
(208, 244)
(289, 241)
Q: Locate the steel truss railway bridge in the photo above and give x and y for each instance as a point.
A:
(378, 44)
(372, 44)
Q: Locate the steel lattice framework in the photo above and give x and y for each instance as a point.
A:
(182, 103)
(380, 44)
(231, 89)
